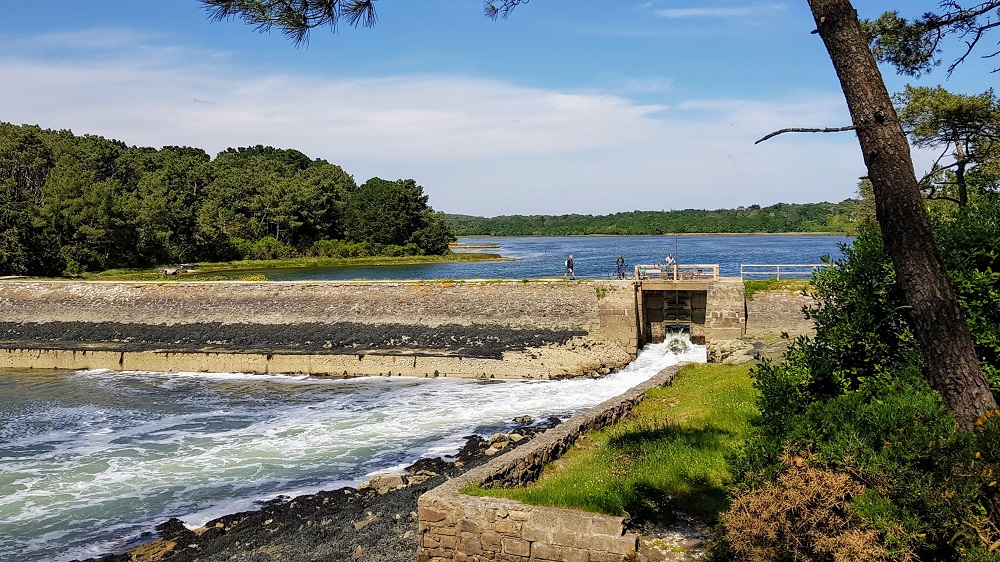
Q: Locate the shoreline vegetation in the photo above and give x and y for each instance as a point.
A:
(249, 270)
(86, 204)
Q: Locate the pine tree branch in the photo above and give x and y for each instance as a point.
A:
(802, 130)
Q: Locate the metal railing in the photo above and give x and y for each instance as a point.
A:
(777, 270)
(678, 272)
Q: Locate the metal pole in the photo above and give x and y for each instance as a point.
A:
(677, 258)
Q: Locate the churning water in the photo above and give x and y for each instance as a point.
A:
(91, 459)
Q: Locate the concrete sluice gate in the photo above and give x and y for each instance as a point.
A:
(709, 310)
(672, 310)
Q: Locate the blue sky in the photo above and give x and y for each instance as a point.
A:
(580, 106)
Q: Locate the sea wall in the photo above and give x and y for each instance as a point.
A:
(454, 527)
(466, 329)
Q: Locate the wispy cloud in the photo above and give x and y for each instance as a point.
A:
(477, 146)
(704, 12)
(719, 12)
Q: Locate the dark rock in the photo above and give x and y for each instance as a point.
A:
(329, 525)
(173, 529)
(480, 341)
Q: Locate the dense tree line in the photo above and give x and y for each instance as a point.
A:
(73, 203)
(782, 217)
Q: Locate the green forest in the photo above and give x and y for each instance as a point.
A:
(782, 217)
(71, 204)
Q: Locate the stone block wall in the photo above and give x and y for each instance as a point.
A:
(455, 527)
(617, 313)
(724, 310)
(769, 313)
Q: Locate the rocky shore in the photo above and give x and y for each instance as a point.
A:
(476, 341)
(374, 523)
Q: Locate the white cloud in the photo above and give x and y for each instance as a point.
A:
(477, 146)
(705, 12)
(719, 12)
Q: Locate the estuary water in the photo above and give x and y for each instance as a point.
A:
(594, 256)
(89, 460)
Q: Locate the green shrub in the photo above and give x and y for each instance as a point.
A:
(269, 248)
(970, 246)
(853, 400)
(328, 249)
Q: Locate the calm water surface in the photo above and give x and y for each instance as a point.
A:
(594, 256)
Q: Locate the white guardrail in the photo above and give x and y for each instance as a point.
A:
(678, 272)
(776, 270)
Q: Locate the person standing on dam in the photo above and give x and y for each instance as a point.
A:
(569, 268)
(620, 267)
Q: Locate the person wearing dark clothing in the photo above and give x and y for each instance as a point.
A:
(569, 268)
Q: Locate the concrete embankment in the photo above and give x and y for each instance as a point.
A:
(464, 329)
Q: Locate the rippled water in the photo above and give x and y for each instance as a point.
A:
(89, 460)
(594, 256)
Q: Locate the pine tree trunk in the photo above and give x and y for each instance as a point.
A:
(951, 364)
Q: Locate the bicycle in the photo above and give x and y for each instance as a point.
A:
(620, 273)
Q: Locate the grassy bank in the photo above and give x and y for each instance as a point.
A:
(752, 286)
(667, 459)
(256, 270)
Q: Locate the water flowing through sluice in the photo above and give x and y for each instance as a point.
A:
(90, 460)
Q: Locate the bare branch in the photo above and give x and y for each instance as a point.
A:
(960, 15)
(801, 130)
(970, 45)
(943, 198)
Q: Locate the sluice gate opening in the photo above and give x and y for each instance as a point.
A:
(666, 310)
(692, 298)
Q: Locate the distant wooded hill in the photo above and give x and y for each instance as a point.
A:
(781, 217)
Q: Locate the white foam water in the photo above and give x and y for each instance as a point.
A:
(92, 459)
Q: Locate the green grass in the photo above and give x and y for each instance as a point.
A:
(669, 457)
(751, 286)
(218, 271)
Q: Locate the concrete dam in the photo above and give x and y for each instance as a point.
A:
(478, 329)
